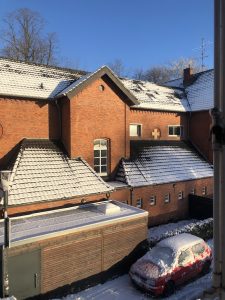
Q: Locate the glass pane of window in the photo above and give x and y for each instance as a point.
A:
(96, 153)
(139, 130)
(177, 130)
(97, 161)
(104, 153)
(170, 130)
(185, 257)
(103, 169)
(97, 169)
(133, 130)
(96, 142)
(104, 143)
(198, 249)
(103, 161)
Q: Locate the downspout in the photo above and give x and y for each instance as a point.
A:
(59, 118)
(131, 196)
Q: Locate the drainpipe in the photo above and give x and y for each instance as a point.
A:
(131, 196)
(59, 118)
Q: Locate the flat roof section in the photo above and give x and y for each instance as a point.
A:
(39, 226)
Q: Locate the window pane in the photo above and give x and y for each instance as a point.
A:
(96, 142)
(104, 153)
(170, 130)
(177, 130)
(103, 161)
(103, 169)
(133, 130)
(198, 249)
(185, 257)
(97, 169)
(139, 130)
(97, 161)
(103, 143)
(96, 153)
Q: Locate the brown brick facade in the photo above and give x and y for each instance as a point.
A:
(21, 119)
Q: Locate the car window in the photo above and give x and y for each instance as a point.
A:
(198, 249)
(185, 257)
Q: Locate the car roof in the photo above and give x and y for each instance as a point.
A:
(180, 241)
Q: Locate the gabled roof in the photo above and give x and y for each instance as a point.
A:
(78, 85)
(155, 97)
(43, 172)
(158, 163)
(20, 79)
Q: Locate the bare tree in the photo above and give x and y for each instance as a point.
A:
(172, 70)
(117, 67)
(23, 38)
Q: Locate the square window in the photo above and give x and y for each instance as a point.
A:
(135, 130)
(152, 200)
(167, 198)
(192, 191)
(96, 153)
(204, 190)
(180, 195)
(175, 130)
(139, 203)
(97, 161)
(103, 161)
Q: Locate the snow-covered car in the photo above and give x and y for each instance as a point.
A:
(171, 262)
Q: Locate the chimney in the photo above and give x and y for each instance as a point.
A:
(188, 72)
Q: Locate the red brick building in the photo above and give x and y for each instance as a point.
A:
(117, 126)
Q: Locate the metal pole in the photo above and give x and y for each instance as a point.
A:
(217, 152)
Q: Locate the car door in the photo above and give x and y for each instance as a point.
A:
(185, 268)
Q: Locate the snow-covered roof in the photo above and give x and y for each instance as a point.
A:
(156, 97)
(200, 90)
(180, 241)
(162, 162)
(104, 70)
(43, 172)
(200, 93)
(52, 223)
(33, 80)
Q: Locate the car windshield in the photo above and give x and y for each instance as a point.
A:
(162, 256)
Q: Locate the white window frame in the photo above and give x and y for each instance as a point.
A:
(101, 148)
(135, 124)
(152, 200)
(204, 190)
(192, 191)
(167, 198)
(175, 135)
(139, 203)
(180, 195)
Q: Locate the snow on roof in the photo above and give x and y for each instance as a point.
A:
(156, 97)
(157, 163)
(43, 172)
(69, 219)
(180, 241)
(200, 93)
(33, 80)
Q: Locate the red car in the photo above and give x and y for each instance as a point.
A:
(171, 262)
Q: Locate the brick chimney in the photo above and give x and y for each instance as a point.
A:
(187, 77)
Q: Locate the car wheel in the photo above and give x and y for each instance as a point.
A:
(169, 288)
(205, 268)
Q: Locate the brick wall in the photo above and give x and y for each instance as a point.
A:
(25, 119)
(99, 114)
(200, 123)
(176, 209)
(154, 119)
(30, 208)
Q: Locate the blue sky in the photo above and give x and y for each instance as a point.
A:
(142, 33)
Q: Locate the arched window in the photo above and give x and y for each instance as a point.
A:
(101, 157)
